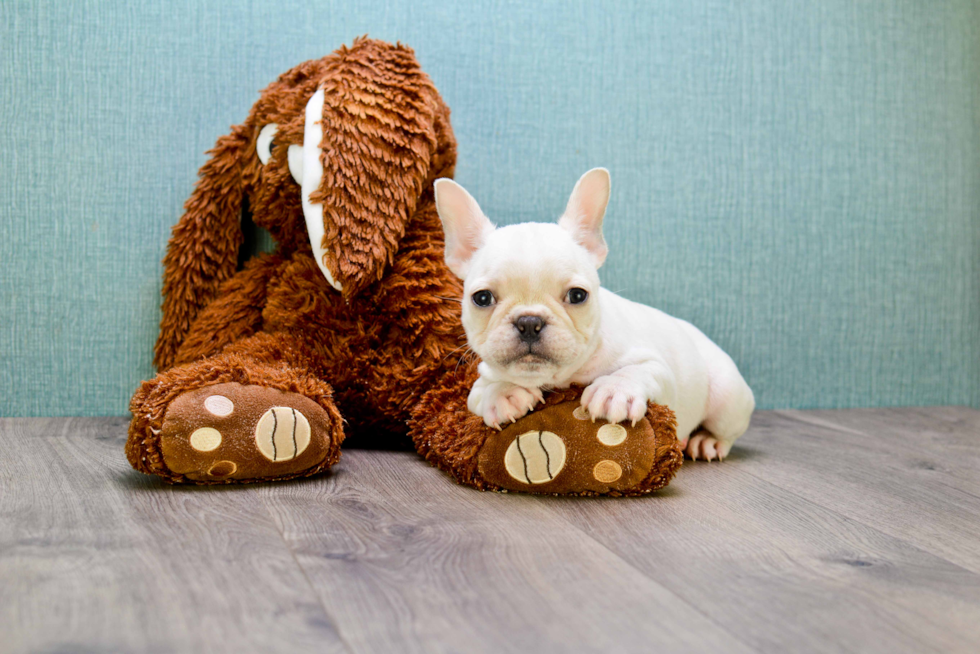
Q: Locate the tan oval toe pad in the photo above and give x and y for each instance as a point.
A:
(535, 457)
(282, 433)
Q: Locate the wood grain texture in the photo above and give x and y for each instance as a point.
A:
(910, 473)
(436, 567)
(96, 557)
(825, 531)
(784, 573)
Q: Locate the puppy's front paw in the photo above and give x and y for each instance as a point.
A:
(615, 399)
(503, 402)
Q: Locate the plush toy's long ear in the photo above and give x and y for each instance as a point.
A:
(368, 148)
(203, 251)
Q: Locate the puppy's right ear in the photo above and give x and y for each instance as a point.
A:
(203, 251)
(463, 222)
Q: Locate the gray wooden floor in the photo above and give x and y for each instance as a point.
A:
(825, 531)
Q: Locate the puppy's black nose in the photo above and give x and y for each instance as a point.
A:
(529, 328)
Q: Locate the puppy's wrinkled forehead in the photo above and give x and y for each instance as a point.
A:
(531, 257)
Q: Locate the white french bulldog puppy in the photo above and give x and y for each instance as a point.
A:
(534, 312)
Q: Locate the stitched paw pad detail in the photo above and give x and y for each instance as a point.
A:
(282, 433)
(535, 457)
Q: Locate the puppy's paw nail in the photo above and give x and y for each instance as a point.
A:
(708, 448)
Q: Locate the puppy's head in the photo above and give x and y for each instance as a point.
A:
(530, 305)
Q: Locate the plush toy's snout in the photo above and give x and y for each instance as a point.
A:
(313, 184)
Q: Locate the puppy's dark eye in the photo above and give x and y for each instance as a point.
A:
(483, 298)
(577, 296)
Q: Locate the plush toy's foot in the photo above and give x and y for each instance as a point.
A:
(233, 419)
(557, 448)
(238, 433)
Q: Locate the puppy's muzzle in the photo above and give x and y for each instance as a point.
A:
(529, 328)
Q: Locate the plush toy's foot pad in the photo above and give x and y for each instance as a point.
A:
(233, 432)
(559, 449)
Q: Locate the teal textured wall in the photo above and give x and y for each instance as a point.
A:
(800, 179)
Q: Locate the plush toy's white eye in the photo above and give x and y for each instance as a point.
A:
(264, 144)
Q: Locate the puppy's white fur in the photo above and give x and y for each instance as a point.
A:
(625, 353)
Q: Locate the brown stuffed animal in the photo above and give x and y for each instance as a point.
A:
(352, 324)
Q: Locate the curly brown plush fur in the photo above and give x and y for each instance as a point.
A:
(292, 357)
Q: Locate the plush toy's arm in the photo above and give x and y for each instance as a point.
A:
(203, 251)
(234, 314)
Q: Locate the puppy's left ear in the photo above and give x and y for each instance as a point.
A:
(584, 213)
(463, 222)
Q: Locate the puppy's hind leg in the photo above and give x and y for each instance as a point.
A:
(730, 406)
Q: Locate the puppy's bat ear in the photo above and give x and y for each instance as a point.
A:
(463, 222)
(203, 250)
(585, 210)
